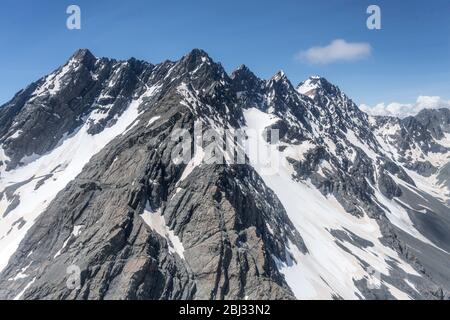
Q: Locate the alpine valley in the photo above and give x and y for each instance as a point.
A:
(359, 208)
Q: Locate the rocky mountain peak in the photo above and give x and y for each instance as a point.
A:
(280, 76)
(280, 81)
(311, 86)
(243, 77)
(196, 57)
(200, 69)
(83, 56)
(243, 72)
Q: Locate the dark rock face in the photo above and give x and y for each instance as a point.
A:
(240, 232)
(437, 122)
(138, 225)
(388, 187)
(249, 88)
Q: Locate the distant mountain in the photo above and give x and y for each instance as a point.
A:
(342, 205)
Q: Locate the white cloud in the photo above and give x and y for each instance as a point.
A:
(337, 50)
(403, 110)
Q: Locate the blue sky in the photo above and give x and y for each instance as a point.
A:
(409, 56)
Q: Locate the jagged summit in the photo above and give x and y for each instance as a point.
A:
(197, 56)
(310, 86)
(280, 80)
(243, 68)
(242, 72)
(243, 77)
(279, 76)
(83, 56)
(197, 52)
(82, 53)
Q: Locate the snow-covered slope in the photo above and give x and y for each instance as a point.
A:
(29, 189)
(333, 265)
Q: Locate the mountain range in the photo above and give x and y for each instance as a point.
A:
(358, 206)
